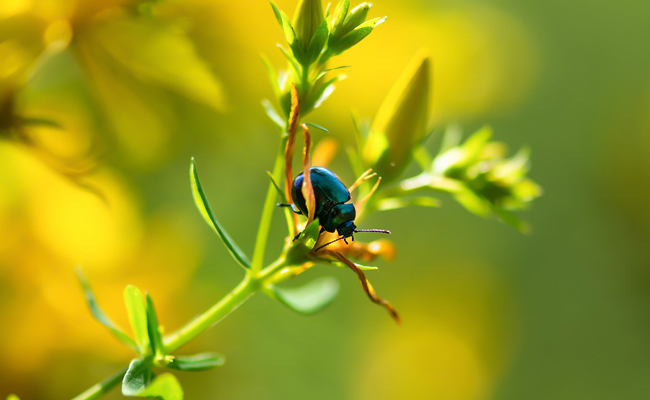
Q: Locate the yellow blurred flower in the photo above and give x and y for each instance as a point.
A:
(48, 225)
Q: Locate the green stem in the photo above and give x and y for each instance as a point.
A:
(103, 387)
(267, 212)
(246, 288)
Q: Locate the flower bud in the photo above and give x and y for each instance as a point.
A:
(306, 19)
(401, 123)
(355, 18)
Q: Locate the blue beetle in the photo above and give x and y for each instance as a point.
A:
(334, 210)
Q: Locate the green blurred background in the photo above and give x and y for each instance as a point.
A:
(488, 313)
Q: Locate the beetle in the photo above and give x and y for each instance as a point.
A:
(334, 210)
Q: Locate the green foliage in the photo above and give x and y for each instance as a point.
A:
(137, 377)
(197, 362)
(163, 387)
(206, 212)
(313, 40)
(476, 173)
(99, 314)
(136, 308)
(310, 298)
(153, 330)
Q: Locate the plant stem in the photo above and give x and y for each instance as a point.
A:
(99, 389)
(267, 212)
(246, 288)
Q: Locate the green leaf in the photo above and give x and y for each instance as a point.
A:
(423, 158)
(153, 329)
(197, 362)
(310, 298)
(357, 35)
(138, 382)
(317, 42)
(322, 128)
(320, 94)
(292, 61)
(396, 203)
(204, 208)
(276, 11)
(322, 74)
(99, 314)
(273, 76)
(304, 244)
(451, 138)
(512, 220)
(136, 309)
(289, 33)
(360, 266)
(285, 24)
(164, 387)
(270, 111)
(283, 197)
(136, 378)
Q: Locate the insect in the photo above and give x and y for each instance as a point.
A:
(334, 209)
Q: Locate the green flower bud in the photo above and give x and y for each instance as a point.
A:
(306, 19)
(338, 45)
(340, 12)
(401, 123)
(355, 18)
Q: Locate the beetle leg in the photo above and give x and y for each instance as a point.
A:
(297, 236)
(293, 207)
(345, 240)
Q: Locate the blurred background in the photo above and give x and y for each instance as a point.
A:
(106, 110)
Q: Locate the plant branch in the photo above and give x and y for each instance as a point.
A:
(103, 387)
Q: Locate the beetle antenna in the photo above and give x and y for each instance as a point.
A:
(327, 244)
(372, 230)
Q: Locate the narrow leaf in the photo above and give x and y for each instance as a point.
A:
(273, 76)
(283, 197)
(164, 387)
(136, 309)
(292, 61)
(322, 128)
(512, 220)
(322, 74)
(204, 208)
(276, 11)
(270, 111)
(153, 329)
(99, 314)
(317, 42)
(310, 298)
(197, 362)
(136, 378)
(396, 203)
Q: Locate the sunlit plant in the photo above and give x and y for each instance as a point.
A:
(476, 172)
